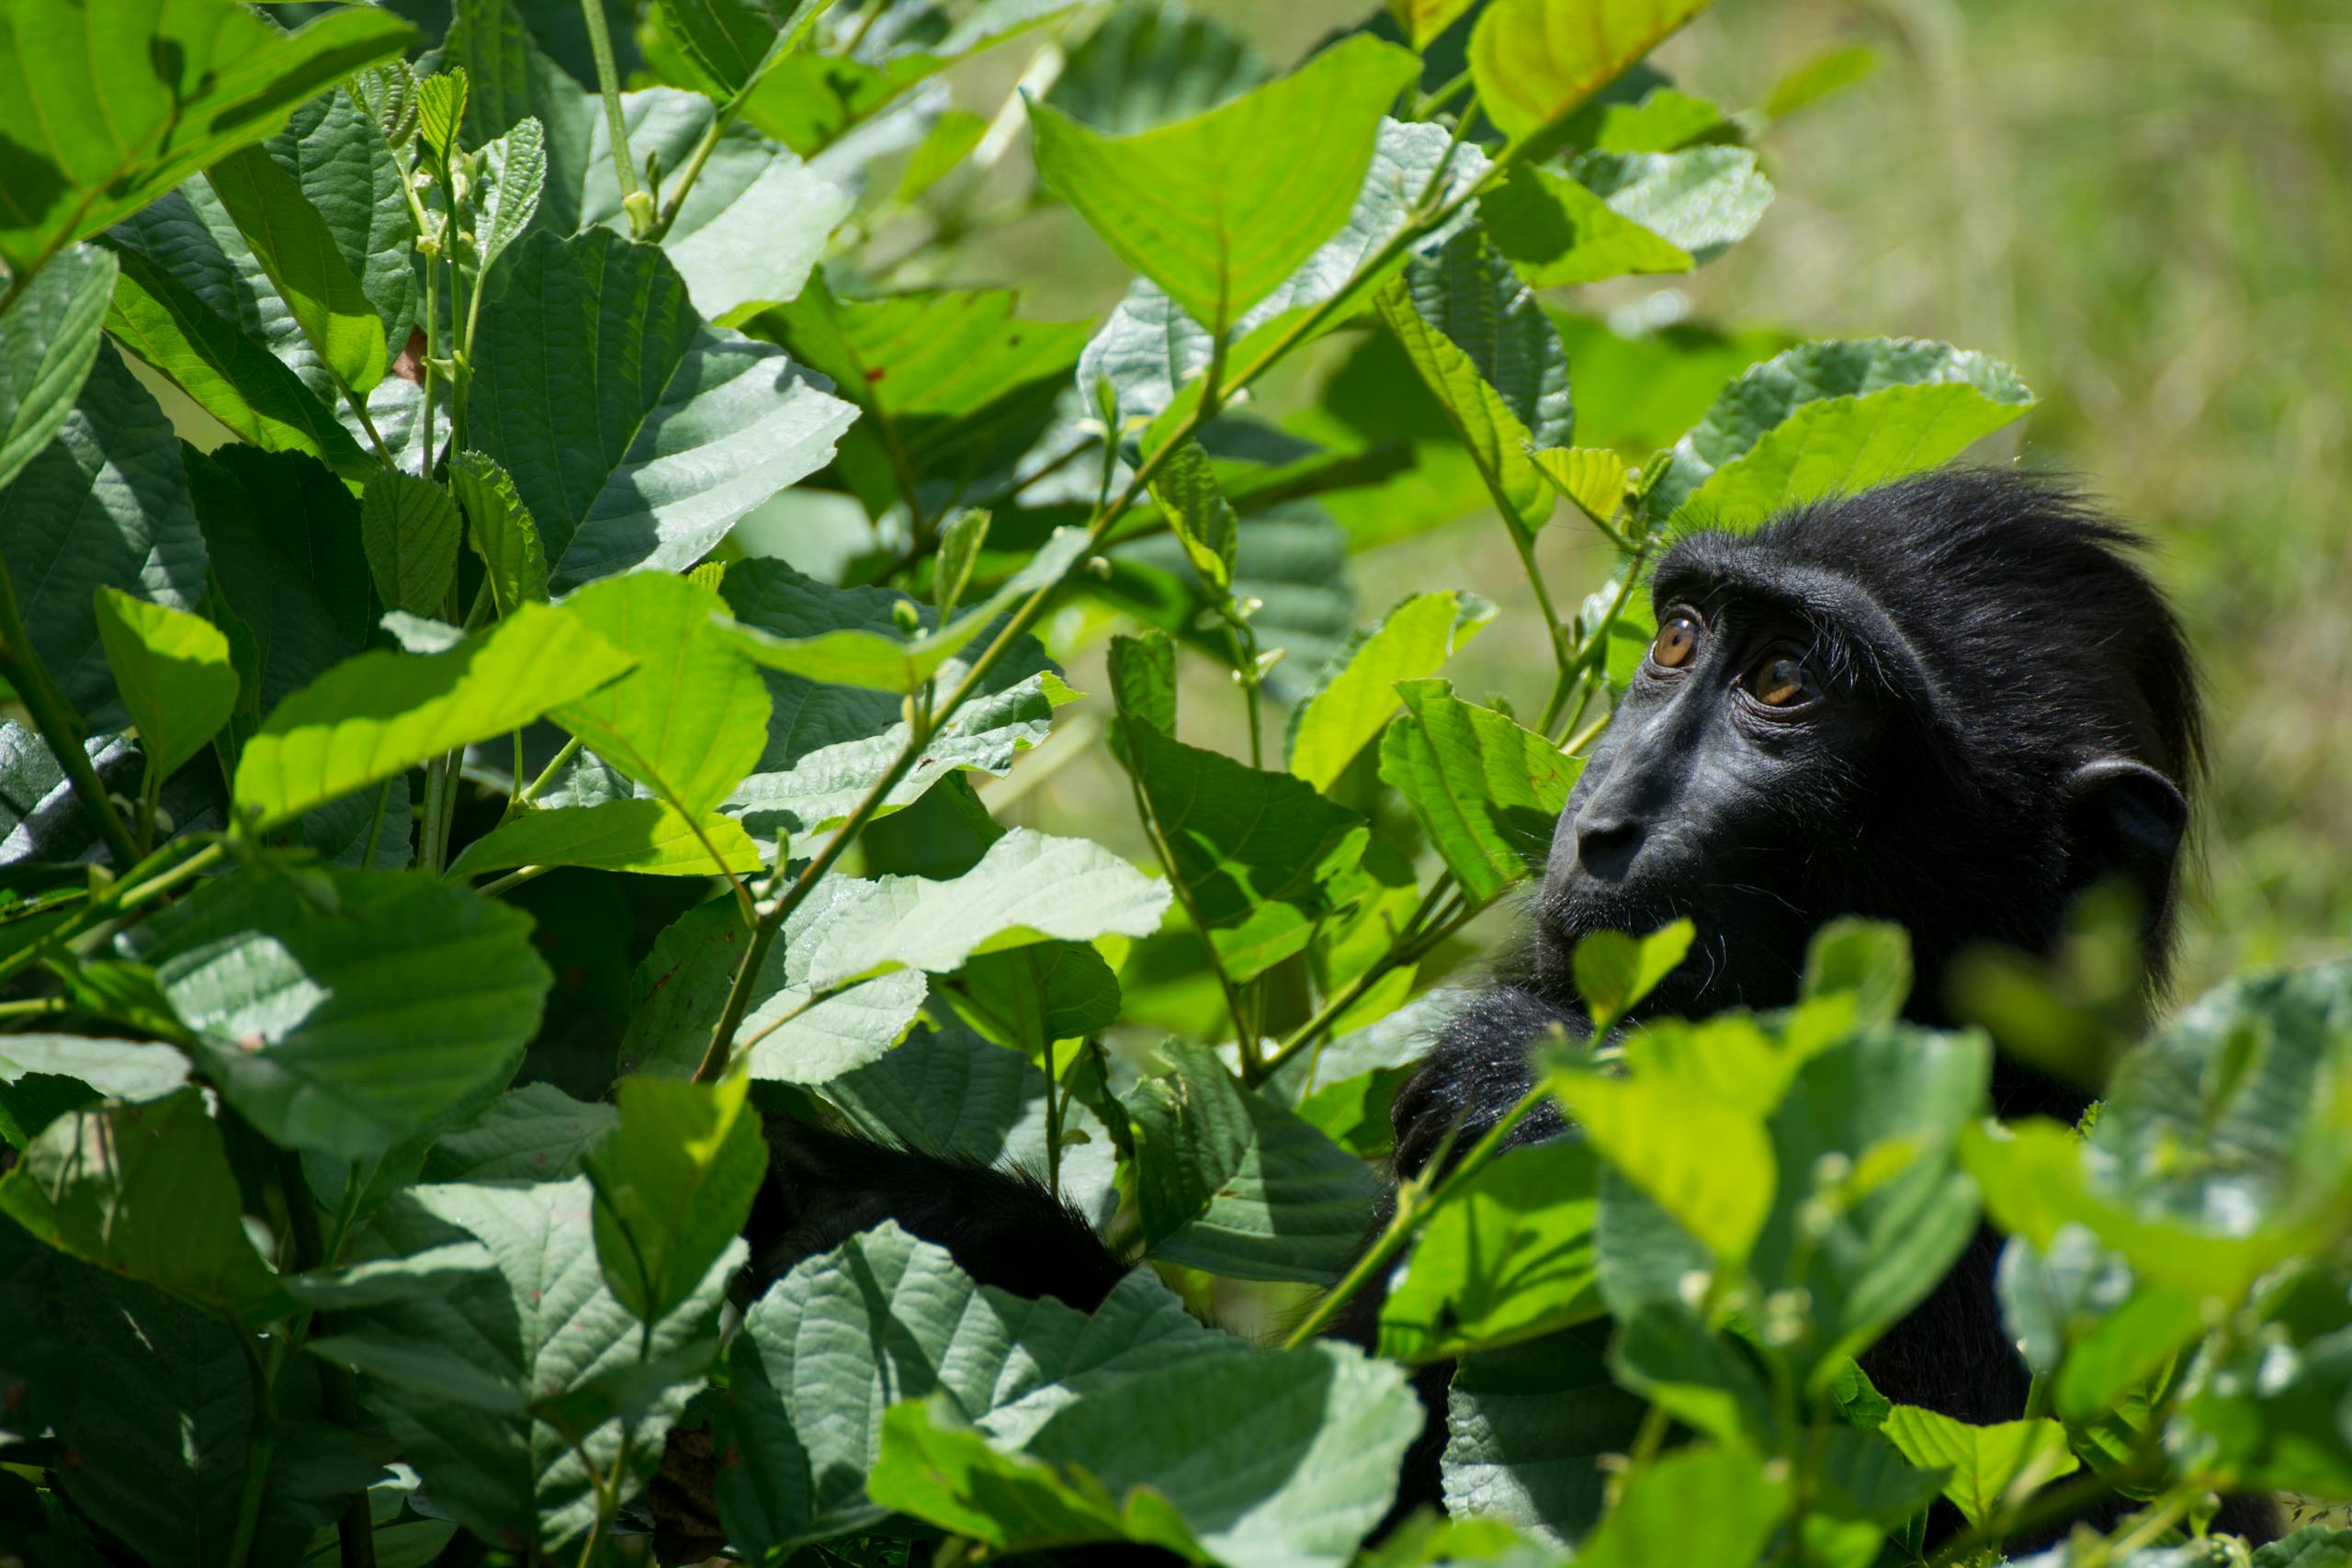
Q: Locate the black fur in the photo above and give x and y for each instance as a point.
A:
(2008, 714)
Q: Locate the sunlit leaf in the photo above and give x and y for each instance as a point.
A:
(49, 340)
(1487, 791)
(296, 250)
(1535, 61)
(674, 1182)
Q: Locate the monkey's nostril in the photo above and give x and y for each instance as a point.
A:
(1606, 845)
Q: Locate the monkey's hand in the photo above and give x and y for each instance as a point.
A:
(1477, 1072)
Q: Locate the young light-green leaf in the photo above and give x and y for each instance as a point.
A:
(441, 108)
(959, 549)
(1353, 704)
(1987, 1464)
(1204, 520)
(1591, 477)
(107, 111)
(675, 1183)
(1487, 792)
(298, 253)
(648, 838)
(1507, 1258)
(735, 40)
(1706, 1162)
(1536, 62)
(410, 528)
(1615, 971)
(501, 531)
(1201, 208)
(172, 672)
(514, 168)
(384, 712)
(1424, 20)
(49, 340)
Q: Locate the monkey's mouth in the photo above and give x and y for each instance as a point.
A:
(1744, 951)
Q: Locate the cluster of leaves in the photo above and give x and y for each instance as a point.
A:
(431, 824)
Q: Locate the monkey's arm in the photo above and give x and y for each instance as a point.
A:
(1477, 1071)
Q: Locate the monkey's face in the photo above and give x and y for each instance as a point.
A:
(1735, 763)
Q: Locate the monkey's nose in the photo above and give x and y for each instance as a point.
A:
(1606, 845)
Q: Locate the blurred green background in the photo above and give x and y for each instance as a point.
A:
(2141, 204)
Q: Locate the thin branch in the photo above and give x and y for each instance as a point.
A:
(608, 84)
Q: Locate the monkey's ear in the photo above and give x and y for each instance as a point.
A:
(2124, 819)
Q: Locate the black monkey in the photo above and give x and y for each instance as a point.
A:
(1955, 703)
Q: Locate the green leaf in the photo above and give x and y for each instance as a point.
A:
(1705, 1162)
(735, 40)
(1654, 1519)
(1353, 705)
(1536, 62)
(636, 434)
(1834, 417)
(470, 1376)
(1148, 64)
(298, 252)
(690, 721)
(1527, 1428)
(1988, 1464)
(134, 1070)
(173, 674)
(1491, 358)
(336, 152)
(1559, 233)
(1831, 71)
(410, 528)
(1255, 850)
(1031, 997)
(1231, 1183)
(508, 80)
(1143, 680)
(288, 568)
(1424, 20)
(1867, 960)
(1667, 1353)
(1200, 209)
(673, 1184)
(49, 340)
(960, 541)
(794, 1032)
(536, 1132)
(346, 1012)
(514, 171)
(1487, 792)
(381, 714)
(1614, 970)
(110, 112)
(441, 108)
(103, 504)
(1701, 201)
(1203, 519)
(144, 1190)
(1508, 1258)
(501, 531)
(1593, 478)
(649, 838)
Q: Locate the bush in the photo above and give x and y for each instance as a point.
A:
(450, 811)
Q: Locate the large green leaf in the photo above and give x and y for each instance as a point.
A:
(650, 837)
(497, 1383)
(690, 721)
(109, 110)
(536, 1132)
(173, 674)
(500, 529)
(1616, 213)
(381, 714)
(636, 434)
(1831, 418)
(1487, 791)
(1147, 63)
(288, 565)
(734, 41)
(1508, 1258)
(674, 1182)
(144, 1190)
(1536, 62)
(790, 1034)
(1200, 208)
(298, 252)
(344, 1011)
(1988, 1464)
(49, 340)
(118, 1069)
(1527, 1428)
(1353, 703)
(509, 80)
(756, 220)
(1654, 1519)
(829, 743)
(337, 154)
(1230, 1182)
(1255, 850)
(411, 529)
(103, 504)
(1494, 362)
(1706, 1162)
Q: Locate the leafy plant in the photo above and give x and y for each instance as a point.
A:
(441, 820)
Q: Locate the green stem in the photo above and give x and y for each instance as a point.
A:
(1243, 1040)
(376, 824)
(260, 1447)
(2046, 1506)
(608, 84)
(58, 726)
(514, 878)
(1415, 941)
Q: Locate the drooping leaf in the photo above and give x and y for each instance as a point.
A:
(1493, 361)
(410, 528)
(499, 527)
(337, 152)
(1353, 704)
(1833, 417)
(144, 1190)
(346, 1012)
(383, 713)
(636, 434)
(103, 504)
(1508, 1258)
(49, 340)
(111, 110)
(690, 719)
(1536, 62)
(674, 1184)
(1487, 791)
(1987, 1464)
(1199, 209)
(296, 249)
(1204, 520)
(649, 838)
(134, 1070)
(172, 671)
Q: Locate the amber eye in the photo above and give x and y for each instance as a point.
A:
(1678, 639)
(1781, 681)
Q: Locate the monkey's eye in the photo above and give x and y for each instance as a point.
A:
(1781, 681)
(1678, 639)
